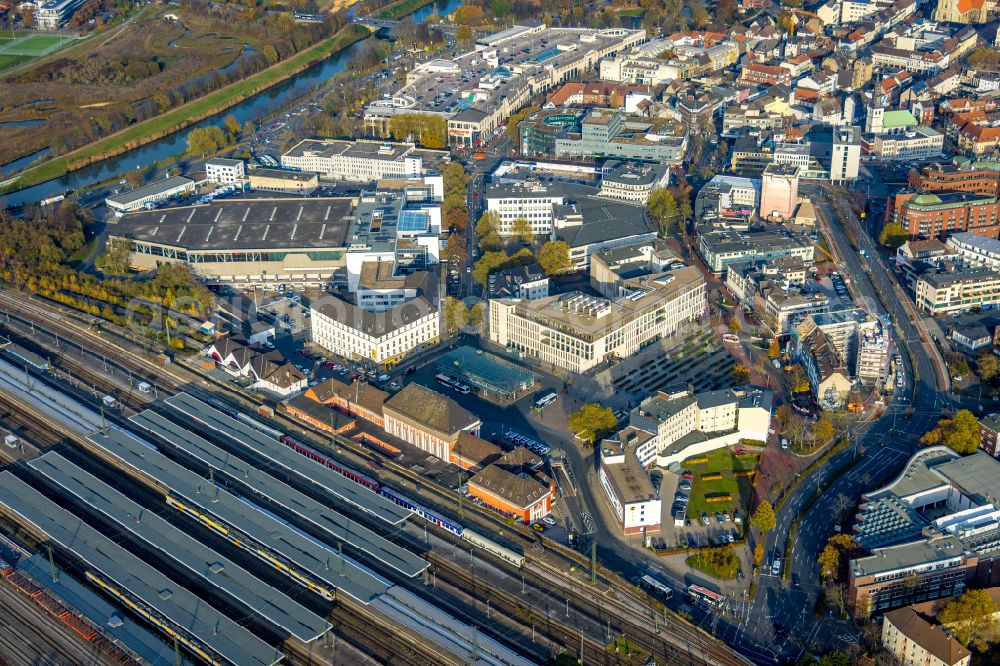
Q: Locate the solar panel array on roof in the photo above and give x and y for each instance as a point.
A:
(338, 486)
(339, 527)
(198, 623)
(202, 561)
(306, 555)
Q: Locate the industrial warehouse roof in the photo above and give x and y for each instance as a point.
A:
(430, 409)
(190, 615)
(244, 224)
(204, 562)
(339, 527)
(139, 193)
(308, 554)
(344, 489)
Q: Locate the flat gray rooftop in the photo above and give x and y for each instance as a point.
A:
(244, 224)
(308, 554)
(347, 491)
(165, 185)
(215, 569)
(372, 150)
(187, 613)
(98, 611)
(339, 527)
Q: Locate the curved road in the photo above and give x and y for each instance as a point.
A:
(879, 451)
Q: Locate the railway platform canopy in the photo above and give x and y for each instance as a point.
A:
(300, 552)
(260, 444)
(218, 571)
(167, 603)
(101, 613)
(336, 527)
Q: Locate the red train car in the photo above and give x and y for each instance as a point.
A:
(51, 605)
(25, 585)
(79, 626)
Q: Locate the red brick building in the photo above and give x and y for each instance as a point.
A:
(928, 214)
(951, 178)
(770, 75)
(359, 399)
(515, 486)
(989, 427)
(473, 453)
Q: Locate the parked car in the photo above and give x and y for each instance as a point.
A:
(684, 485)
(704, 519)
(548, 520)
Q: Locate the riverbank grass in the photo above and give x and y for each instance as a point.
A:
(182, 116)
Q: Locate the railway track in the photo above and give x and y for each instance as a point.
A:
(622, 621)
(681, 641)
(27, 639)
(357, 625)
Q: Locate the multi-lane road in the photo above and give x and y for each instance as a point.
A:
(879, 451)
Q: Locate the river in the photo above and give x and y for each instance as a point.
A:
(253, 108)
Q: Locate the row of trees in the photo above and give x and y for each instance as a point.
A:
(960, 433)
(208, 140)
(427, 130)
(670, 208)
(458, 315)
(553, 256)
(592, 422)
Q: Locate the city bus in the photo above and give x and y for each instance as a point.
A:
(545, 400)
(697, 594)
(656, 588)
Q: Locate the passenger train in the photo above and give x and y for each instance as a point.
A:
(398, 498)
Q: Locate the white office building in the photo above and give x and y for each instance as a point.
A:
(675, 424)
(523, 201)
(358, 161)
(577, 331)
(224, 171)
(393, 316)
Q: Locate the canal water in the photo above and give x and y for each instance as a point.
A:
(259, 106)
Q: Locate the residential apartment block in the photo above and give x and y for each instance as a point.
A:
(928, 214)
(957, 290)
(915, 640)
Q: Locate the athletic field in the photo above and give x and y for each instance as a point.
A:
(21, 47)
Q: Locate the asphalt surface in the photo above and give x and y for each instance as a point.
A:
(879, 451)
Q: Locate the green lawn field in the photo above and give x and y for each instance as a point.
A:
(724, 462)
(41, 44)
